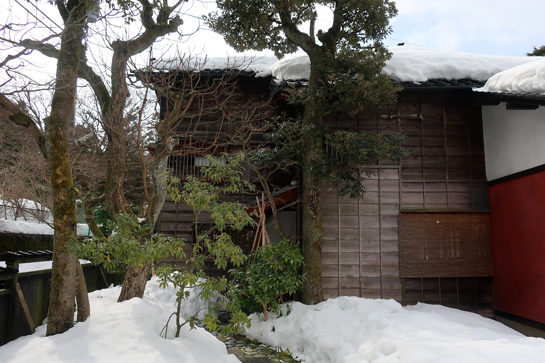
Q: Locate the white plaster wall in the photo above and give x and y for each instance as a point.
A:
(514, 140)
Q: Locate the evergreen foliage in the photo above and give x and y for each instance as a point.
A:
(346, 61)
(345, 162)
(208, 195)
(266, 276)
(130, 244)
(540, 52)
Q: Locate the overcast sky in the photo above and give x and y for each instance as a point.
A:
(496, 27)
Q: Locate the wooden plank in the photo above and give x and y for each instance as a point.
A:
(392, 294)
(350, 245)
(349, 210)
(390, 185)
(370, 258)
(373, 293)
(332, 221)
(390, 271)
(370, 283)
(330, 270)
(368, 234)
(412, 198)
(350, 221)
(390, 246)
(372, 221)
(387, 197)
(367, 209)
(390, 259)
(330, 245)
(350, 271)
(370, 271)
(330, 293)
(369, 246)
(22, 305)
(331, 233)
(389, 209)
(349, 258)
(330, 282)
(389, 234)
(330, 258)
(386, 221)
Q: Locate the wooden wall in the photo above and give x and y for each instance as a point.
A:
(445, 172)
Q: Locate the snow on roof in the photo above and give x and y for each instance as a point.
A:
(294, 67)
(526, 78)
(260, 65)
(408, 64)
(25, 227)
(8, 226)
(416, 64)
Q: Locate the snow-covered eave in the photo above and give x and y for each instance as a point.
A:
(495, 98)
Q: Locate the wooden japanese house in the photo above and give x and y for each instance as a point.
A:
(422, 231)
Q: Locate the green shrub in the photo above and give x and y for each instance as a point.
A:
(266, 276)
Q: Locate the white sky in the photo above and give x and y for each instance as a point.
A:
(494, 27)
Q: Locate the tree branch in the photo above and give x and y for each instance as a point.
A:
(330, 37)
(293, 33)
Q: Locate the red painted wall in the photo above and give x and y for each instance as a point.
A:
(517, 227)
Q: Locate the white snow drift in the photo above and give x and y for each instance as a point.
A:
(341, 330)
(351, 329)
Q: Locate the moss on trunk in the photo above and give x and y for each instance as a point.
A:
(312, 195)
(63, 280)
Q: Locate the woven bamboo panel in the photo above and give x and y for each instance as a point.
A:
(444, 245)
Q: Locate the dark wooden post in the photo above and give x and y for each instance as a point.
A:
(17, 295)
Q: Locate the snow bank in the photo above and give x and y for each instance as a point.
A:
(526, 78)
(121, 332)
(351, 329)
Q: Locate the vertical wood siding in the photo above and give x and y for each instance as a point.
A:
(445, 172)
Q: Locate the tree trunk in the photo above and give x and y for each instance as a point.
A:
(134, 283)
(63, 279)
(312, 195)
(82, 297)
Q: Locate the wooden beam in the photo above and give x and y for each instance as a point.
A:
(22, 305)
(520, 106)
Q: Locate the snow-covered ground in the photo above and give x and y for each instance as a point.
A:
(351, 329)
(121, 332)
(345, 329)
